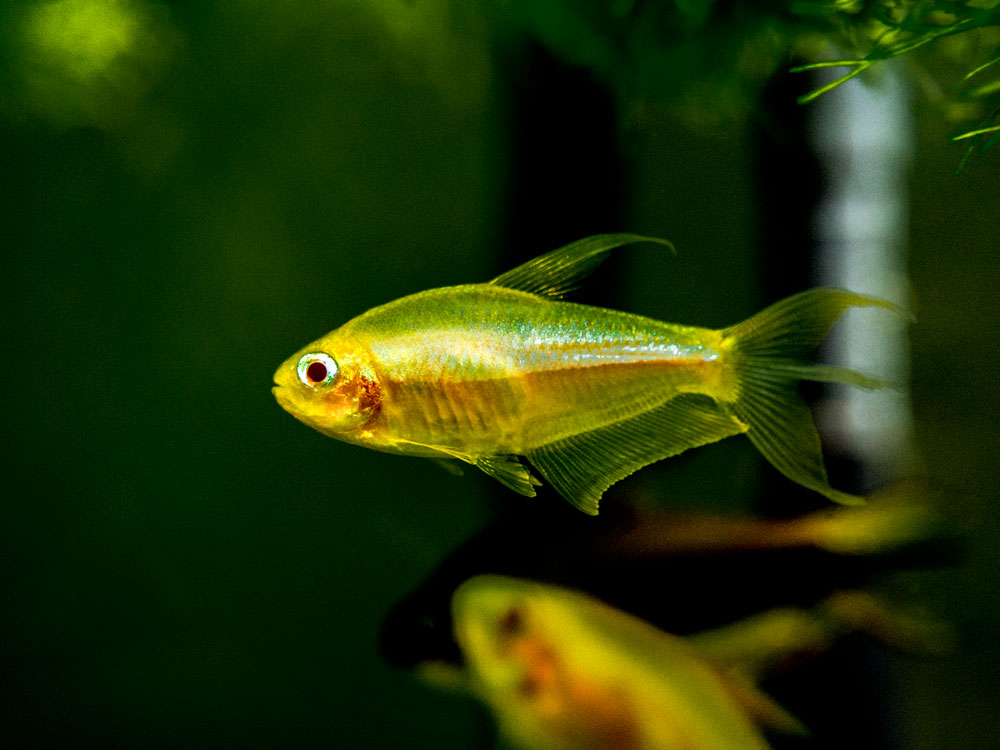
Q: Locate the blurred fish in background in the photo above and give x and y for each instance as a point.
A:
(796, 586)
(563, 671)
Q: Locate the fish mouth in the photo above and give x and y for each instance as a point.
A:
(280, 394)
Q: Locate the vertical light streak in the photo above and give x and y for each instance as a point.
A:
(863, 132)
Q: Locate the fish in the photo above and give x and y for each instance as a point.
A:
(507, 375)
(560, 670)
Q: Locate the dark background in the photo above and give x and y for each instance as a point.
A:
(191, 193)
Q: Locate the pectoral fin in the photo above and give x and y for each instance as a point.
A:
(450, 466)
(508, 470)
(583, 466)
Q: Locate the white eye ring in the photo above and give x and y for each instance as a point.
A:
(316, 369)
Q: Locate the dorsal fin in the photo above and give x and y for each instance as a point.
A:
(556, 273)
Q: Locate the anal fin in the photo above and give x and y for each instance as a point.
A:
(583, 466)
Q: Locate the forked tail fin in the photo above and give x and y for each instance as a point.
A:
(769, 355)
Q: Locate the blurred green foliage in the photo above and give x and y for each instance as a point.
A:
(81, 62)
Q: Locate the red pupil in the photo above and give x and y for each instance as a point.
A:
(316, 372)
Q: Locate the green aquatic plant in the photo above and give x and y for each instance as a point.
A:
(880, 31)
(709, 61)
(987, 134)
(892, 29)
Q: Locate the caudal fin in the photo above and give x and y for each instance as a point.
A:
(769, 354)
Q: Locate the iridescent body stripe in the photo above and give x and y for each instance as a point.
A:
(486, 370)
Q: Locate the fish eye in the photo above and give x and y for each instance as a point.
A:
(512, 622)
(317, 369)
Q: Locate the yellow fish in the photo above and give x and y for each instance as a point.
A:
(488, 373)
(562, 671)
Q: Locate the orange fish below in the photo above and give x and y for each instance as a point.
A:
(560, 670)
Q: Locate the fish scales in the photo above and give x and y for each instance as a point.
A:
(501, 368)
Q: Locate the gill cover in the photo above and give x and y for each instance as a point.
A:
(330, 386)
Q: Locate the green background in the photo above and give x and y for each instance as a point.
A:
(191, 192)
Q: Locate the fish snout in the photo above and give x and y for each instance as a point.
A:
(280, 394)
